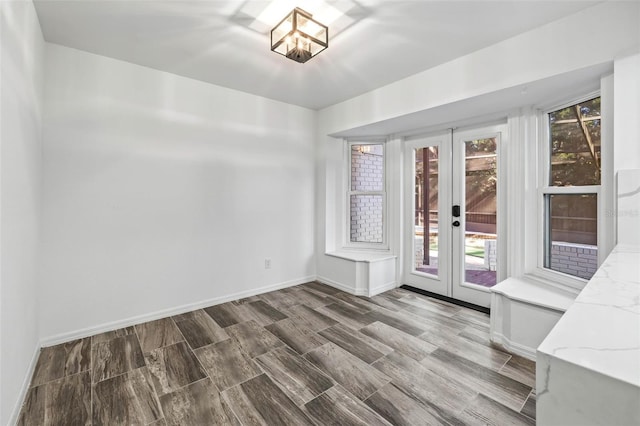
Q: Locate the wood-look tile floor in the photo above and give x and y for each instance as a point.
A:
(308, 354)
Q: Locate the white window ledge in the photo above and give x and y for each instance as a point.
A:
(532, 290)
(360, 273)
(361, 256)
(523, 312)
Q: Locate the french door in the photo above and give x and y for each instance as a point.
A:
(453, 238)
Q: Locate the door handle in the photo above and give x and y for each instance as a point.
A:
(455, 211)
(456, 223)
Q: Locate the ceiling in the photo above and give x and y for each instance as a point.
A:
(226, 42)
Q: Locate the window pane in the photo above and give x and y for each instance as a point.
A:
(481, 206)
(366, 218)
(572, 247)
(426, 214)
(367, 167)
(575, 144)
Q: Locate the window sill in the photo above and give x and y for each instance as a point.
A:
(536, 291)
(362, 256)
(558, 280)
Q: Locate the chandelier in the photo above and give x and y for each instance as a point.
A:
(299, 37)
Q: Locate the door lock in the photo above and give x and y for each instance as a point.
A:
(455, 211)
(456, 223)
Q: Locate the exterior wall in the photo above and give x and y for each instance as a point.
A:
(491, 255)
(573, 259)
(419, 254)
(418, 250)
(367, 174)
(567, 258)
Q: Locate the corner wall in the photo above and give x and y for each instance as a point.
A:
(165, 193)
(626, 163)
(627, 110)
(21, 85)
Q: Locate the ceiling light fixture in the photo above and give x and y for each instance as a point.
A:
(299, 37)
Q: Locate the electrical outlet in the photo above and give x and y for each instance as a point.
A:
(267, 264)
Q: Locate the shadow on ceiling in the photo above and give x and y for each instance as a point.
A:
(352, 13)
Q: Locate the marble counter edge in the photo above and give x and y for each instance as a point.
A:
(610, 298)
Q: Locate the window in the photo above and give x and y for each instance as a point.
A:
(571, 189)
(366, 194)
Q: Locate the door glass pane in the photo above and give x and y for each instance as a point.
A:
(572, 239)
(575, 144)
(480, 241)
(426, 214)
(366, 218)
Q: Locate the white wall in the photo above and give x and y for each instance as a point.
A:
(626, 86)
(517, 62)
(626, 163)
(21, 84)
(161, 192)
(533, 55)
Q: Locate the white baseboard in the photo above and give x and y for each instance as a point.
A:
(386, 287)
(114, 325)
(338, 285)
(516, 348)
(349, 289)
(13, 419)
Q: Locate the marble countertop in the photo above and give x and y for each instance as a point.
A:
(601, 329)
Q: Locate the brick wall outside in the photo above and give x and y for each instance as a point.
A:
(367, 174)
(574, 259)
(490, 254)
(419, 250)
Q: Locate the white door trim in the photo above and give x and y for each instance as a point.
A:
(412, 277)
(450, 279)
(461, 290)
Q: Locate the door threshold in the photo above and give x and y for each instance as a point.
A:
(447, 299)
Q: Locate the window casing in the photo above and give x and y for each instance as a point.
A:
(366, 196)
(570, 189)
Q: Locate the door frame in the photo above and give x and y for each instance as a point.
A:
(444, 285)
